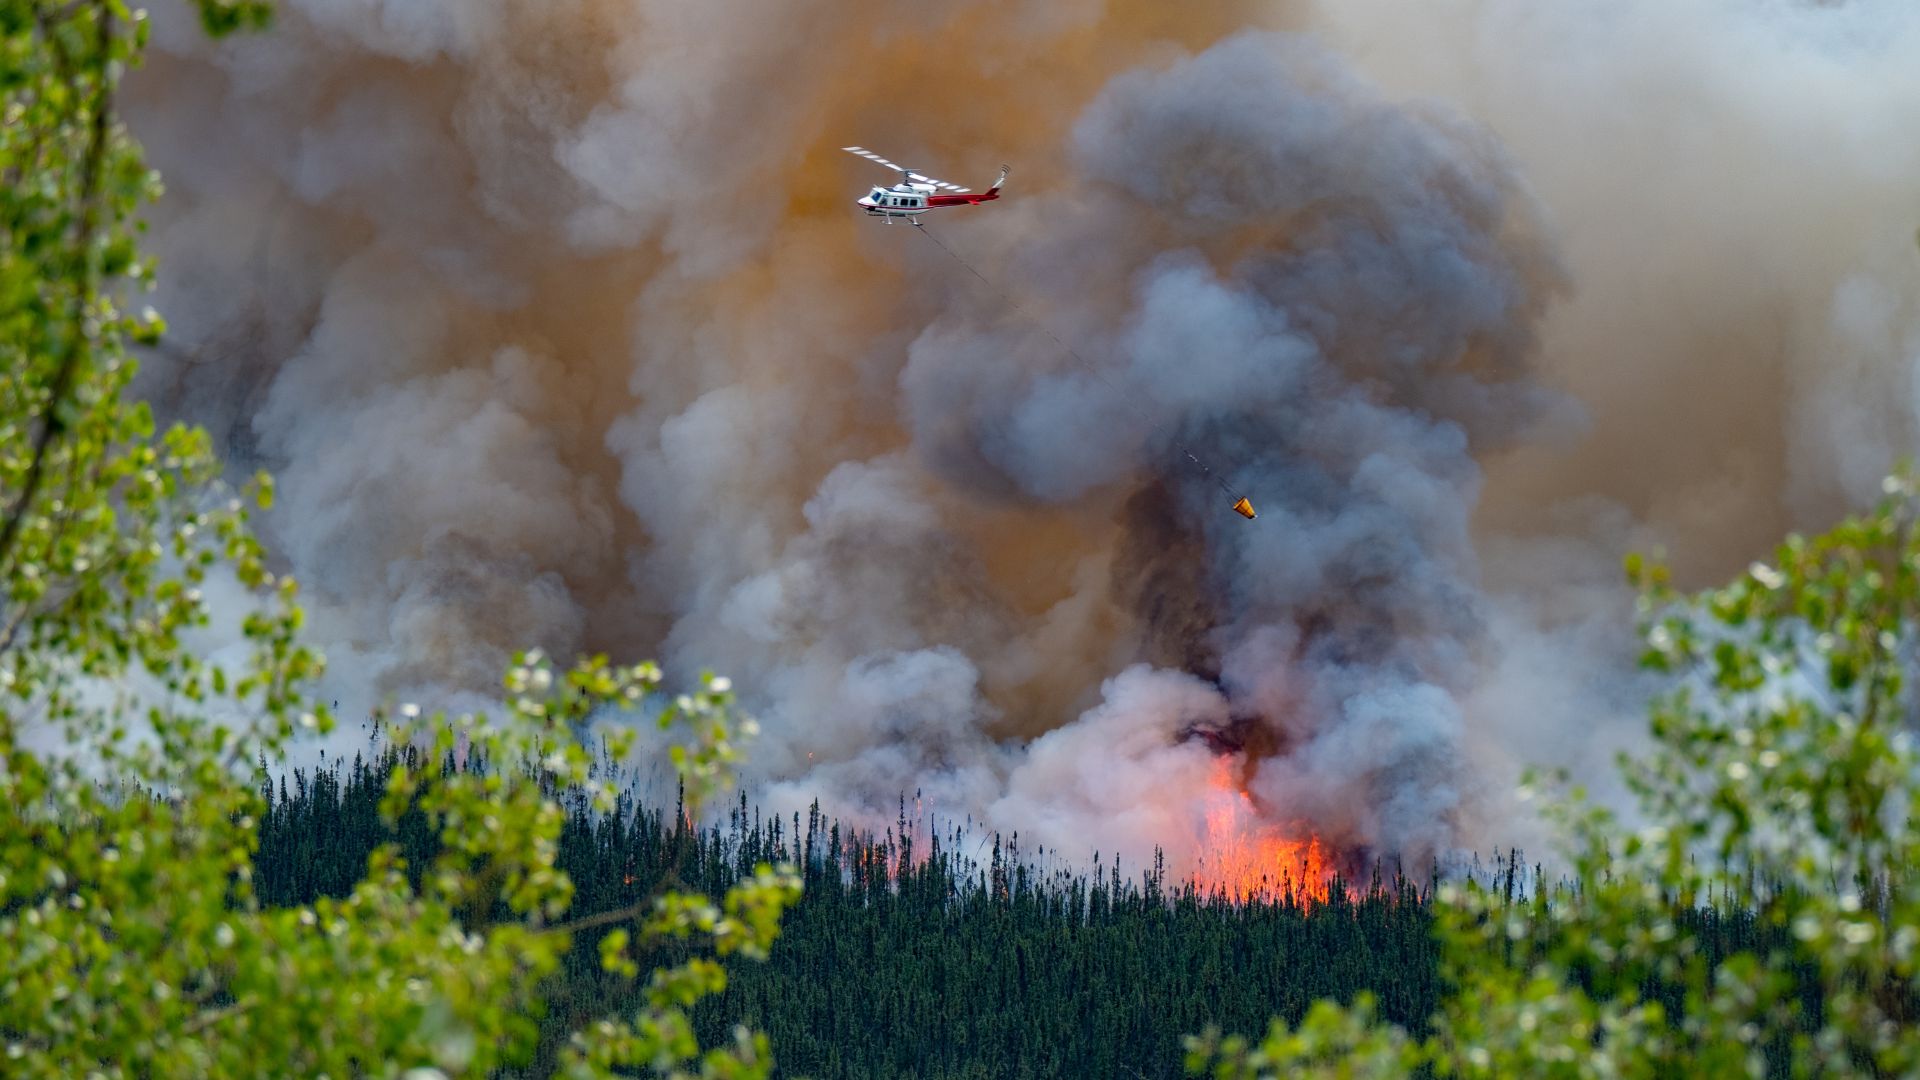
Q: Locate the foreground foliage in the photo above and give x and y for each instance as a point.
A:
(1780, 781)
(132, 941)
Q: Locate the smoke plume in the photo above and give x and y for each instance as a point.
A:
(557, 324)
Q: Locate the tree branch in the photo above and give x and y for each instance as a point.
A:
(90, 169)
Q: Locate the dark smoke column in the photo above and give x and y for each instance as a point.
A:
(1335, 297)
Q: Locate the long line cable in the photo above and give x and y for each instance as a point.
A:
(1152, 425)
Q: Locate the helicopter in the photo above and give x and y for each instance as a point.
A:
(917, 194)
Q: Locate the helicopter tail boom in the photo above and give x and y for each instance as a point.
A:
(988, 195)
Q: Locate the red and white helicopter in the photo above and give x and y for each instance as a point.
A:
(917, 194)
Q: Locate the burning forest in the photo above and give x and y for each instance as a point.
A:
(570, 338)
(984, 537)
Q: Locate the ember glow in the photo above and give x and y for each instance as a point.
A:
(1247, 857)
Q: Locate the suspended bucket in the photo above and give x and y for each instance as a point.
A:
(1244, 508)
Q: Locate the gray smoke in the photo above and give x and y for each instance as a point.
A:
(558, 328)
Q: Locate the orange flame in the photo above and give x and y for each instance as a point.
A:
(1248, 858)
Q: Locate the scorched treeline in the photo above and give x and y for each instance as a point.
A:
(931, 956)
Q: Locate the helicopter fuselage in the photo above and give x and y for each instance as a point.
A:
(899, 201)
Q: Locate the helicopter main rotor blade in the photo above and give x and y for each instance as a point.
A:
(937, 183)
(861, 151)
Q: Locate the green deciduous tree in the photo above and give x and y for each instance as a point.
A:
(1779, 786)
(130, 940)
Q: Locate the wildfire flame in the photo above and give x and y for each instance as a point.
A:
(1248, 858)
